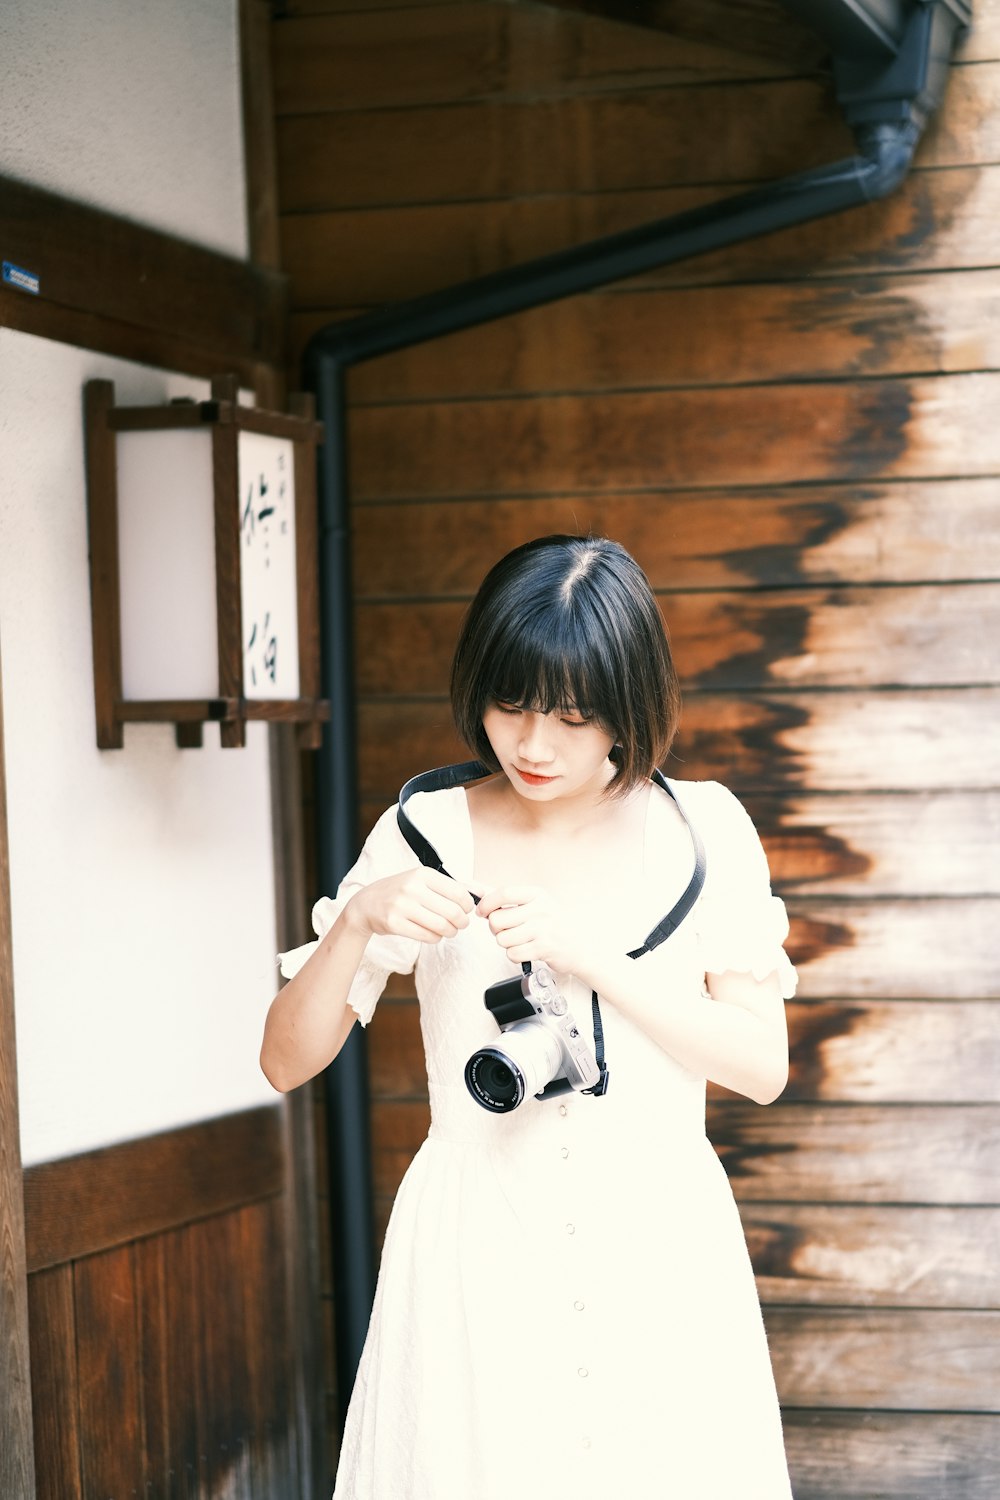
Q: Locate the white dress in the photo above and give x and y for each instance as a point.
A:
(565, 1308)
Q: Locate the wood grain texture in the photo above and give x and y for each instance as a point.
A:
(920, 636)
(499, 148)
(17, 1470)
(907, 532)
(97, 266)
(827, 1153)
(54, 1387)
(920, 428)
(82, 1204)
(886, 844)
(109, 1372)
(940, 221)
(895, 1051)
(874, 1256)
(860, 1455)
(339, 61)
(456, 150)
(845, 741)
(890, 1360)
(257, 96)
(719, 335)
(896, 949)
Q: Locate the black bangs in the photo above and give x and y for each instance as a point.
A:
(546, 666)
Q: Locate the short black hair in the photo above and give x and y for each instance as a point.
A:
(570, 622)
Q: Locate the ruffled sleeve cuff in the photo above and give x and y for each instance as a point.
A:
(752, 945)
(383, 854)
(741, 926)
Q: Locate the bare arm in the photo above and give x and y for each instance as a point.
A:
(311, 1018)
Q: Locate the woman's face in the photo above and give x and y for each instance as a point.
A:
(549, 756)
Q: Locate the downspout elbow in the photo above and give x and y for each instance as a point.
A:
(886, 154)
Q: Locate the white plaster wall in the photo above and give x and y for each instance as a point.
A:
(129, 105)
(142, 878)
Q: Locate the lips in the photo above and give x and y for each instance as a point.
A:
(534, 780)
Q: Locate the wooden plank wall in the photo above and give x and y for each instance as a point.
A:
(797, 438)
(156, 1370)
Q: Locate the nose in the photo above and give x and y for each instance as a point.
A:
(535, 744)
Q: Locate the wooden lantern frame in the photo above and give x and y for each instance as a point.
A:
(103, 420)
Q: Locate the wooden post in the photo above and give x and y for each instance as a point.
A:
(225, 475)
(17, 1460)
(105, 579)
(303, 404)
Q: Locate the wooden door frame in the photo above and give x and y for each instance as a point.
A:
(17, 1452)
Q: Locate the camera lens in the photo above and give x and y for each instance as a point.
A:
(493, 1082)
(522, 1062)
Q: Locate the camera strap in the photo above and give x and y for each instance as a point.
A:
(468, 771)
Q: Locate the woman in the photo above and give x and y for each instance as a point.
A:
(565, 1305)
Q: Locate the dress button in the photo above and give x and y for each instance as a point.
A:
(562, 1109)
(583, 1372)
(564, 1152)
(579, 1305)
(571, 1229)
(585, 1443)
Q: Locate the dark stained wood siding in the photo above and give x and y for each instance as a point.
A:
(797, 438)
(160, 1326)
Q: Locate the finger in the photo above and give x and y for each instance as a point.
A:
(443, 906)
(507, 895)
(444, 885)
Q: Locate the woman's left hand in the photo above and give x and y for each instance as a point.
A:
(530, 927)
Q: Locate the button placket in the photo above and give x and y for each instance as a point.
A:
(570, 1218)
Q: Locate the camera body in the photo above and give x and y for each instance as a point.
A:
(540, 1051)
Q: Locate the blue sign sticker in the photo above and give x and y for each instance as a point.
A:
(17, 276)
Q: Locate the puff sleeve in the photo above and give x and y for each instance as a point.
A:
(385, 853)
(741, 926)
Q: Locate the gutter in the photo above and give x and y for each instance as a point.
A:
(887, 98)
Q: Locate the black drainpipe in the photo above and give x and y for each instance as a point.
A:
(888, 104)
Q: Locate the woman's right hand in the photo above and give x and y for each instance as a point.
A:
(421, 904)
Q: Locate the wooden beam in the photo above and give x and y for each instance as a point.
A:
(80, 1205)
(257, 95)
(17, 1467)
(109, 284)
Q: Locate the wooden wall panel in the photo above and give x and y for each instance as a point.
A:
(796, 437)
(162, 1348)
(927, 635)
(905, 532)
(873, 1255)
(827, 742)
(840, 1455)
(898, 1360)
(54, 1384)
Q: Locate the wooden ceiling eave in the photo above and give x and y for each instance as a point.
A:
(799, 33)
(759, 28)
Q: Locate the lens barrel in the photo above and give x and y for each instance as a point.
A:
(526, 1058)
